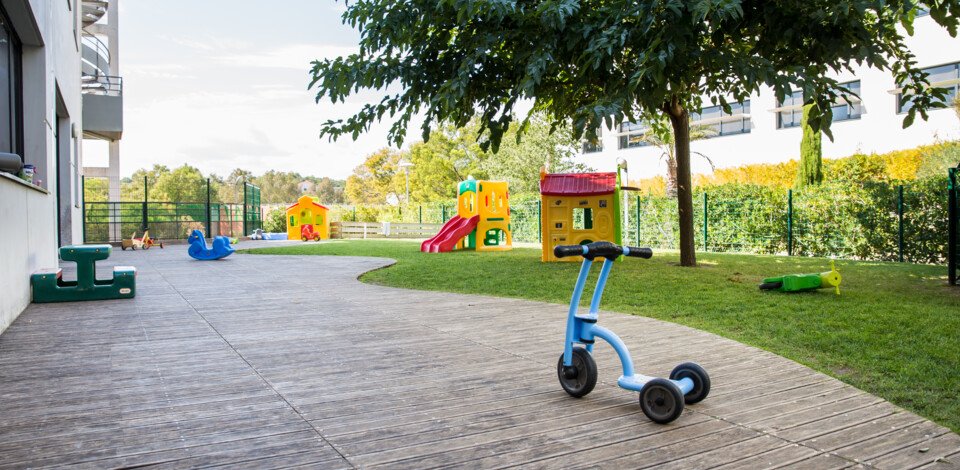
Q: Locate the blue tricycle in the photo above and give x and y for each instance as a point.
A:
(661, 399)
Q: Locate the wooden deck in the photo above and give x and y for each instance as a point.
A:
(279, 362)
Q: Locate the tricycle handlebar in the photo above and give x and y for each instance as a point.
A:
(601, 249)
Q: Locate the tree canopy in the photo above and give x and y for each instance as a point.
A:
(188, 184)
(453, 154)
(603, 62)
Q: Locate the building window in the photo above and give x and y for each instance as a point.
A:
(633, 135)
(11, 92)
(718, 122)
(790, 110)
(941, 76)
(593, 145)
(843, 111)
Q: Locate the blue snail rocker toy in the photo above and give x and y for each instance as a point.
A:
(198, 247)
(661, 399)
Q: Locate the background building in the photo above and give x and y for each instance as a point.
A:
(102, 91)
(41, 122)
(763, 130)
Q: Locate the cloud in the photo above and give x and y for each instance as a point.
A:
(159, 71)
(293, 56)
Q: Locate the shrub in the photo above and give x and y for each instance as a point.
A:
(834, 219)
(275, 221)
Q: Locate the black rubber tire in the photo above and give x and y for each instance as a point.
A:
(701, 381)
(303, 238)
(771, 285)
(661, 401)
(586, 378)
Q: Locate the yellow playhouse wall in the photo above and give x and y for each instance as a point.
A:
(305, 212)
(557, 220)
(467, 204)
(494, 204)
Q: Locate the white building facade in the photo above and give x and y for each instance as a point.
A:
(763, 130)
(43, 76)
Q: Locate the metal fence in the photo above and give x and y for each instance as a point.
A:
(113, 221)
(953, 226)
(872, 222)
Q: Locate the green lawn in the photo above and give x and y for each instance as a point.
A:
(894, 331)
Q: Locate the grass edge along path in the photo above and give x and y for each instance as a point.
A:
(894, 331)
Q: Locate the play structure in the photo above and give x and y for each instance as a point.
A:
(804, 282)
(143, 243)
(662, 400)
(482, 222)
(49, 286)
(307, 211)
(307, 233)
(579, 208)
(198, 247)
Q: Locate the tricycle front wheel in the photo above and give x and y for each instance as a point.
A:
(579, 379)
(661, 401)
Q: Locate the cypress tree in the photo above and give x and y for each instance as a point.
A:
(810, 168)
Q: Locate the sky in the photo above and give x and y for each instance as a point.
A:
(223, 84)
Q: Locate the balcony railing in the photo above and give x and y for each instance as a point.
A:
(104, 85)
(95, 56)
(93, 10)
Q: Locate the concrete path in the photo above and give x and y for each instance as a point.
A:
(276, 362)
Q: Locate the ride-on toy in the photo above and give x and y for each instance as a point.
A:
(661, 399)
(143, 243)
(307, 233)
(805, 282)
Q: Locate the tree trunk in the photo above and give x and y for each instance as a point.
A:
(680, 119)
(671, 175)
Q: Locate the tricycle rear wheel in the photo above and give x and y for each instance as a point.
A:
(700, 378)
(583, 376)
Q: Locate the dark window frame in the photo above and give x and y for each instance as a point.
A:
(16, 86)
(631, 129)
(854, 110)
(903, 108)
(746, 119)
(587, 146)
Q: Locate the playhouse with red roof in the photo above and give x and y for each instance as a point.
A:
(579, 208)
(307, 211)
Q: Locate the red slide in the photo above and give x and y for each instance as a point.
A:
(451, 233)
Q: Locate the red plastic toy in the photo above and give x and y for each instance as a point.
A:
(307, 233)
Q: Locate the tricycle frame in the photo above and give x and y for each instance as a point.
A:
(583, 329)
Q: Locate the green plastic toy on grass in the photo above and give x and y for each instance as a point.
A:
(804, 282)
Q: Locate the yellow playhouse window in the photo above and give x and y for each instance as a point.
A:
(293, 221)
(582, 218)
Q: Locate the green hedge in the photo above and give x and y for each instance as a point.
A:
(836, 219)
(848, 220)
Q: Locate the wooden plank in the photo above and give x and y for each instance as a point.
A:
(190, 374)
(872, 448)
(781, 457)
(932, 450)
